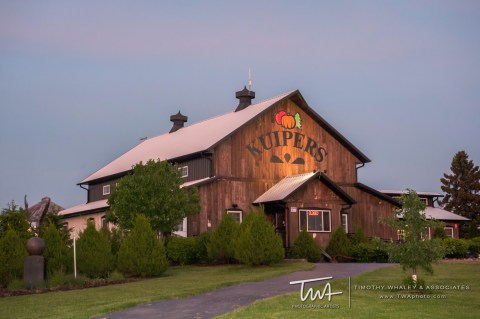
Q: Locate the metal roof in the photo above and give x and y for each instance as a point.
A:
(84, 207)
(441, 214)
(191, 139)
(290, 184)
(284, 188)
(202, 136)
(399, 192)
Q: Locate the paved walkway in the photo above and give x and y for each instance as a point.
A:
(225, 300)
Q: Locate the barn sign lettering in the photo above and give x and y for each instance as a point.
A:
(275, 139)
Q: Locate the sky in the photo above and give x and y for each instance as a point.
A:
(81, 82)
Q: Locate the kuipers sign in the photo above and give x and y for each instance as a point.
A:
(276, 139)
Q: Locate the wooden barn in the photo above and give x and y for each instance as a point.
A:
(278, 153)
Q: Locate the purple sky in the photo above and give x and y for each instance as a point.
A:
(81, 82)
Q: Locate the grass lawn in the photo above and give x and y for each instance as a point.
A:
(176, 282)
(370, 303)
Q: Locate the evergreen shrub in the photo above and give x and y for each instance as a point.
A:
(57, 256)
(201, 246)
(94, 255)
(182, 250)
(306, 247)
(12, 256)
(339, 244)
(257, 243)
(220, 246)
(359, 237)
(141, 253)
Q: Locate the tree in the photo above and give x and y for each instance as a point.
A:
(153, 190)
(56, 250)
(462, 192)
(414, 251)
(94, 256)
(141, 253)
(15, 218)
(256, 242)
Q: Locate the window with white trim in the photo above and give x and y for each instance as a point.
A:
(424, 200)
(183, 171)
(315, 220)
(448, 231)
(344, 220)
(181, 229)
(236, 214)
(106, 189)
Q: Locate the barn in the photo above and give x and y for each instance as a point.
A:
(279, 153)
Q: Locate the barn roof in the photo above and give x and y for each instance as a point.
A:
(441, 214)
(204, 135)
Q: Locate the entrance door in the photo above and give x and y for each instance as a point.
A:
(280, 227)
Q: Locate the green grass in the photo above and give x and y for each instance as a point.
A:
(177, 282)
(368, 303)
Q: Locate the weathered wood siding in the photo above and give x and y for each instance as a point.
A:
(368, 213)
(95, 191)
(235, 159)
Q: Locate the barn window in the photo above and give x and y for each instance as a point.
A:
(345, 222)
(104, 222)
(448, 231)
(236, 214)
(315, 220)
(106, 189)
(183, 171)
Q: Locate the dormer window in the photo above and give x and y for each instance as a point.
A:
(106, 189)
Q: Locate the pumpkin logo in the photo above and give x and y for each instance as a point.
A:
(288, 121)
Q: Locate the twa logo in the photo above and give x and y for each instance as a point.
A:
(315, 294)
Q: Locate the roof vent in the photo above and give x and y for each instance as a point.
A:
(178, 121)
(245, 98)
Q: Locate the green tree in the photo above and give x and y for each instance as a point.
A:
(94, 256)
(13, 217)
(306, 247)
(414, 252)
(220, 245)
(141, 253)
(153, 190)
(462, 192)
(256, 242)
(12, 255)
(57, 255)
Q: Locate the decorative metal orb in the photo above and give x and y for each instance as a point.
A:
(35, 246)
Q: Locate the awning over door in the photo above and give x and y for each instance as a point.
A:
(290, 184)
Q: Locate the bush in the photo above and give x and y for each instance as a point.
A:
(56, 279)
(202, 241)
(17, 284)
(141, 253)
(305, 247)
(359, 237)
(12, 256)
(257, 243)
(419, 285)
(56, 251)
(474, 246)
(374, 251)
(115, 275)
(182, 251)
(455, 248)
(439, 232)
(220, 246)
(94, 255)
(339, 244)
(363, 252)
